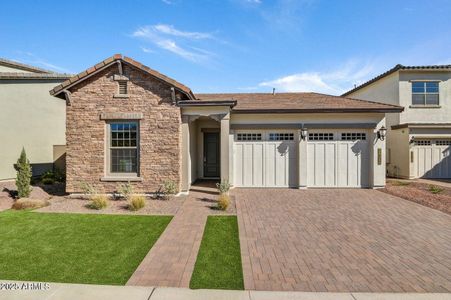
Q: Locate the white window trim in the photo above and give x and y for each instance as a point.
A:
(112, 176)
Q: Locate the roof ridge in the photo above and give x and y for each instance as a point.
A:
(392, 70)
(26, 67)
(108, 62)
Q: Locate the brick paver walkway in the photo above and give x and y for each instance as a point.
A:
(171, 260)
(342, 241)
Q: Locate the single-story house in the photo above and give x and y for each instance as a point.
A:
(419, 138)
(31, 118)
(128, 122)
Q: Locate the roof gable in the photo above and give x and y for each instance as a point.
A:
(58, 91)
(396, 68)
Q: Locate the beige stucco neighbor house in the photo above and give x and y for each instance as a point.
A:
(30, 117)
(419, 138)
(127, 122)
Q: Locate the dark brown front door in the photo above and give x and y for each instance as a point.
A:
(211, 154)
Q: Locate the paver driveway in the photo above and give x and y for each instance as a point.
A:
(342, 240)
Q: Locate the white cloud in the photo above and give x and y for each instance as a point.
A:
(34, 60)
(167, 1)
(253, 1)
(170, 30)
(333, 82)
(169, 38)
(147, 50)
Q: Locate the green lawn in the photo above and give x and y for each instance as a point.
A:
(77, 248)
(218, 264)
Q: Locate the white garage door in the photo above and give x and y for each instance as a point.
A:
(432, 158)
(265, 159)
(338, 159)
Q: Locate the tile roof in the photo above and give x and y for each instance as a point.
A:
(111, 60)
(397, 68)
(14, 75)
(25, 67)
(298, 102)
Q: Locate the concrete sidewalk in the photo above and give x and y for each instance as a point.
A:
(100, 292)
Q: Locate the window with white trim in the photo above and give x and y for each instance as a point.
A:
(425, 93)
(123, 147)
(353, 136)
(281, 136)
(249, 137)
(443, 142)
(321, 136)
(422, 142)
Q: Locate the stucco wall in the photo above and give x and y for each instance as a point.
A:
(11, 69)
(440, 114)
(30, 118)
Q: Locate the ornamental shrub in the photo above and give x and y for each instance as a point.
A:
(23, 178)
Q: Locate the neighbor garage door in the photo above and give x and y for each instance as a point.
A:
(265, 159)
(431, 158)
(338, 159)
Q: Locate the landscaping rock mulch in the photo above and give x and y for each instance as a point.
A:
(75, 205)
(420, 193)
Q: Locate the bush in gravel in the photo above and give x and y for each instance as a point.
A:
(435, 189)
(26, 203)
(223, 201)
(223, 187)
(126, 190)
(48, 181)
(88, 189)
(400, 183)
(169, 187)
(98, 202)
(23, 178)
(136, 202)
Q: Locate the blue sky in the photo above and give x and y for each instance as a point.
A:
(233, 45)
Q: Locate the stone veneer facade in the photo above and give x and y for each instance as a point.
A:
(159, 129)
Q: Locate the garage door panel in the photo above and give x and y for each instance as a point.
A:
(432, 158)
(330, 156)
(257, 165)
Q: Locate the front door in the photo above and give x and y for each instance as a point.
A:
(211, 154)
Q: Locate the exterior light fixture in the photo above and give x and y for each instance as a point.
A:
(304, 133)
(382, 132)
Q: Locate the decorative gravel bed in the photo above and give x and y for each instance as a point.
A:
(153, 206)
(420, 193)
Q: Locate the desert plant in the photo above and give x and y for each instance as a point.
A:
(59, 175)
(88, 189)
(435, 189)
(48, 181)
(26, 203)
(223, 187)
(169, 187)
(23, 178)
(136, 202)
(126, 190)
(400, 183)
(98, 201)
(223, 201)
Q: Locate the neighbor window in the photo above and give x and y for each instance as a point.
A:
(123, 142)
(425, 93)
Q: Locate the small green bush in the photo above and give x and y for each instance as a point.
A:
(400, 183)
(25, 203)
(126, 190)
(435, 189)
(223, 187)
(98, 202)
(47, 181)
(57, 176)
(169, 187)
(136, 202)
(88, 189)
(23, 178)
(223, 201)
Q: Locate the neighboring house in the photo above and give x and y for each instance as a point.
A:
(419, 138)
(127, 122)
(30, 118)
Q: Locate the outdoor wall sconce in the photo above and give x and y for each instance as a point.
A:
(412, 140)
(382, 132)
(304, 133)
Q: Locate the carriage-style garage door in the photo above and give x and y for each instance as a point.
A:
(432, 158)
(338, 159)
(265, 159)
